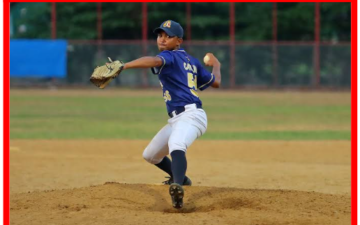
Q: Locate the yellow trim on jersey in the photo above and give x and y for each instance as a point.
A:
(194, 92)
(212, 77)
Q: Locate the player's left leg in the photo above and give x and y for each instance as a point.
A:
(186, 128)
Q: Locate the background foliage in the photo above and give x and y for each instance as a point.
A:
(209, 21)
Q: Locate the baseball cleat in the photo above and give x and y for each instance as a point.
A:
(187, 181)
(177, 195)
(169, 181)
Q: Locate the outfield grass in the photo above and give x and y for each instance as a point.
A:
(64, 114)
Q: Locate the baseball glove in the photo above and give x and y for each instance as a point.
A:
(102, 75)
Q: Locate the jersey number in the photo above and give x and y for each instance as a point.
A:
(192, 83)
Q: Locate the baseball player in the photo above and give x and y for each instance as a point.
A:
(181, 76)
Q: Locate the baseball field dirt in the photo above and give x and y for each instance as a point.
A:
(240, 182)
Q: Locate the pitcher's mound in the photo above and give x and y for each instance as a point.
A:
(115, 203)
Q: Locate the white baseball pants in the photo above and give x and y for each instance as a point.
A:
(180, 132)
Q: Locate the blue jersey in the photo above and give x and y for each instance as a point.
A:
(181, 76)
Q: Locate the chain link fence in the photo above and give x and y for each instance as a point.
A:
(255, 65)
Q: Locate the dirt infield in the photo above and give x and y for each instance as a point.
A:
(235, 182)
(149, 204)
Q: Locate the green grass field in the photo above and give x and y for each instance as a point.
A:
(125, 114)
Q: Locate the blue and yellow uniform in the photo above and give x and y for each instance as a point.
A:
(181, 76)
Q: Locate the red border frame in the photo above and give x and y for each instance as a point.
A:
(354, 112)
(6, 114)
(6, 93)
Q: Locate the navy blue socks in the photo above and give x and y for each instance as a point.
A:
(178, 166)
(165, 165)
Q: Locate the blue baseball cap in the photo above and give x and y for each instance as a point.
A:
(171, 28)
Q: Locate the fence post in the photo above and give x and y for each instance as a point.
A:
(53, 29)
(145, 82)
(316, 79)
(275, 45)
(99, 21)
(53, 20)
(232, 44)
(188, 26)
(188, 21)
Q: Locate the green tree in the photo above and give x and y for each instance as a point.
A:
(335, 21)
(31, 20)
(253, 21)
(209, 21)
(296, 21)
(121, 20)
(76, 20)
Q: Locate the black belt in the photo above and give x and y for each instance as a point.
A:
(181, 109)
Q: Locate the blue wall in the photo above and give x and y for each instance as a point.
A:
(38, 58)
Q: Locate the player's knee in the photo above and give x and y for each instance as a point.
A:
(150, 157)
(147, 156)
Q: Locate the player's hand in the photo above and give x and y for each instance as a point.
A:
(210, 59)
